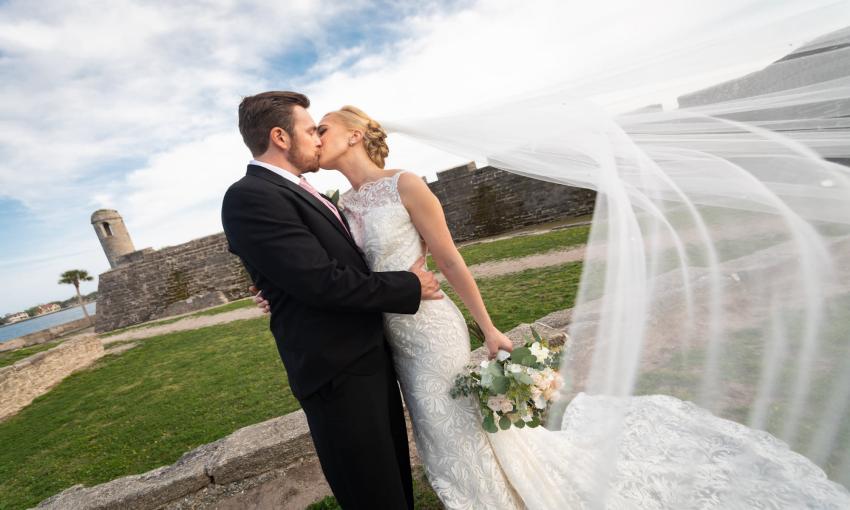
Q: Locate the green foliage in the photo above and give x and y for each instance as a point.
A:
(508, 380)
(490, 424)
(326, 503)
(74, 277)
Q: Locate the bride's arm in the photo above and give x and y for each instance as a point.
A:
(428, 218)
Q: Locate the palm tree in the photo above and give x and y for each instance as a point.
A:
(74, 277)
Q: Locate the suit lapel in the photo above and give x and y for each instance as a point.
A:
(268, 175)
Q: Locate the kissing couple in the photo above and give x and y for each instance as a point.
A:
(356, 315)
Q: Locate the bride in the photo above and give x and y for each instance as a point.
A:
(607, 452)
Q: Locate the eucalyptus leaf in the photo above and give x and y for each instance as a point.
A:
(520, 352)
(504, 423)
(523, 378)
(489, 425)
(500, 385)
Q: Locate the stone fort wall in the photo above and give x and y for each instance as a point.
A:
(478, 202)
(143, 288)
(482, 202)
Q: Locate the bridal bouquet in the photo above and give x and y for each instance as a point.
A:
(516, 388)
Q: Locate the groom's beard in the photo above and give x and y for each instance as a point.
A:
(305, 162)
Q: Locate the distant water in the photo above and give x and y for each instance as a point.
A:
(10, 331)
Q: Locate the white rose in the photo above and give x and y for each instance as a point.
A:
(540, 402)
(539, 352)
(503, 355)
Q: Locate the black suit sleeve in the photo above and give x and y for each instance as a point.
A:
(276, 242)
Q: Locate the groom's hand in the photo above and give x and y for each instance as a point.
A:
(427, 280)
(261, 302)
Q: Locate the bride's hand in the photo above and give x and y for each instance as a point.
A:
(262, 304)
(495, 340)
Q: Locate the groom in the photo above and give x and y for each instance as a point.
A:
(326, 316)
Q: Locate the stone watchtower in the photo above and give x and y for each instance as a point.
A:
(113, 235)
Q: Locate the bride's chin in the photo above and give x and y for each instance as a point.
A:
(327, 165)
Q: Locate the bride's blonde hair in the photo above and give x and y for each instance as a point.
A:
(374, 136)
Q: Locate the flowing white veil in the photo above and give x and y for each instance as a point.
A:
(718, 266)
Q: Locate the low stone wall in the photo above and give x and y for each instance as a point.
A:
(482, 202)
(268, 466)
(157, 279)
(31, 377)
(46, 335)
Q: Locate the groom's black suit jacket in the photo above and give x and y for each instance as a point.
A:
(326, 305)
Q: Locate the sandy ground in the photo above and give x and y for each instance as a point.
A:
(484, 270)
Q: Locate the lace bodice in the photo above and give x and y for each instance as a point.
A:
(381, 225)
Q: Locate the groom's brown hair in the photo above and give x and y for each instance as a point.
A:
(260, 113)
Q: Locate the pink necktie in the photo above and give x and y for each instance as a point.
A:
(306, 185)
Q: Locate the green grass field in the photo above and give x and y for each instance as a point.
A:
(143, 409)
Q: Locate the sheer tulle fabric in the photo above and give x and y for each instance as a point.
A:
(718, 265)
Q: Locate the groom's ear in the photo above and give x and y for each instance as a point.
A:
(279, 138)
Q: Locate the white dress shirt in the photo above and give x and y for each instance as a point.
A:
(286, 174)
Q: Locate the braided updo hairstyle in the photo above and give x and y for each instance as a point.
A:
(374, 136)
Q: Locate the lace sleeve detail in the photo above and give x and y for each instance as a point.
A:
(394, 179)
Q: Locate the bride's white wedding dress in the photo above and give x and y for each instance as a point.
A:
(626, 453)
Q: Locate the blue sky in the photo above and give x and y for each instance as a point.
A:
(131, 105)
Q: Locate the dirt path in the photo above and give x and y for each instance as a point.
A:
(501, 267)
(186, 324)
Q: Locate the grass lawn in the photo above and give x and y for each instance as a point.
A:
(233, 305)
(521, 246)
(143, 409)
(526, 296)
(146, 407)
(11, 357)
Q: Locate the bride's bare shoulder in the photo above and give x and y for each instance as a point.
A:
(414, 192)
(409, 182)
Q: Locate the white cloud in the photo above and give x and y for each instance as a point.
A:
(86, 84)
(152, 88)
